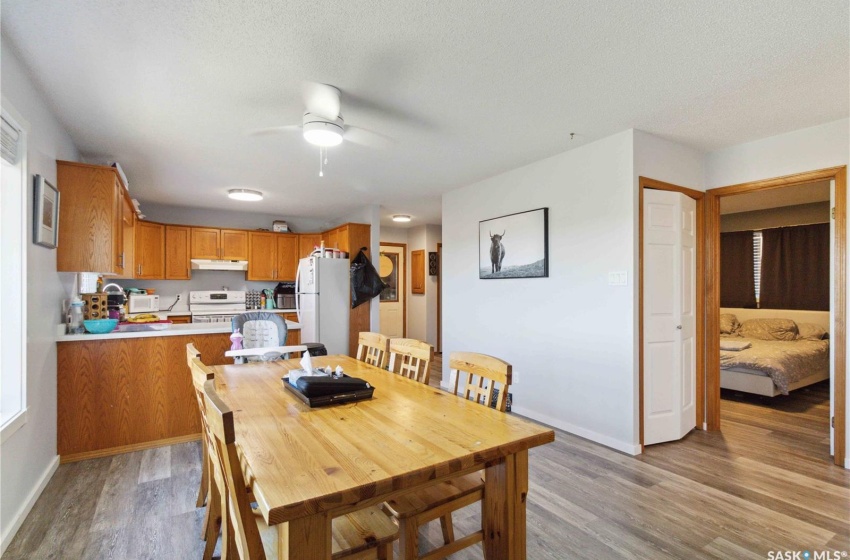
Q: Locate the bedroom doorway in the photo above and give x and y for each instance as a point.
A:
(835, 299)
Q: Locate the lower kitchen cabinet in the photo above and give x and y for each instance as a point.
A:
(125, 394)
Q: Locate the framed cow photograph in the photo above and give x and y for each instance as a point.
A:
(514, 246)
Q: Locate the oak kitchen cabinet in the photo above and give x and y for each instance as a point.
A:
(91, 222)
(178, 265)
(149, 250)
(272, 256)
(219, 244)
(307, 242)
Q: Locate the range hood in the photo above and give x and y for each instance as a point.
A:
(209, 264)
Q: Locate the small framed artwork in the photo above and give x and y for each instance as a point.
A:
(45, 218)
(514, 246)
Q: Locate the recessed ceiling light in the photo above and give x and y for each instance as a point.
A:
(246, 195)
(401, 218)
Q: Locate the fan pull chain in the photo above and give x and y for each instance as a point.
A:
(321, 163)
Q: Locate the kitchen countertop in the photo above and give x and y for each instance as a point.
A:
(172, 330)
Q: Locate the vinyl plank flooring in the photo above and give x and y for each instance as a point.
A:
(764, 483)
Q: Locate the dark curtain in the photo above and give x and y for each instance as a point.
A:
(795, 268)
(737, 286)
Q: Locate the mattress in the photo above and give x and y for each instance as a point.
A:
(785, 362)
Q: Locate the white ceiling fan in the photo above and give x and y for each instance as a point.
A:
(322, 124)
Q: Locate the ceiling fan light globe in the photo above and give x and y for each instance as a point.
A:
(323, 134)
(245, 195)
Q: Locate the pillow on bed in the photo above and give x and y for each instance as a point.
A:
(728, 323)
(769, 329)
(811, 331)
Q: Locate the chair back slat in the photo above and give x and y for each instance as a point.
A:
(372, 349)
(228, 470)
(481, 373)
(411, 358)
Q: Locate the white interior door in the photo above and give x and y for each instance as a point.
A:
(669, 317)
(391, 267)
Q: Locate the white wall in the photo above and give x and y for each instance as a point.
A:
(570, 337)
(433, 235)
(237, 217)
(28, 458)
(809, 149)
(393, 234)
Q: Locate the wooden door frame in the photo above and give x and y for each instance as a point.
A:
(439, 297)
(712, 292)
(699, 197)
(403, 282)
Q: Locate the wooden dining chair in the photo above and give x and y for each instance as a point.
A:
(209, 493)
(372, 349)
(411, 358)
(247, 535)
(481, 373)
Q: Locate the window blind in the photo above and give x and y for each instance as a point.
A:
(757, 263)
(9, 144)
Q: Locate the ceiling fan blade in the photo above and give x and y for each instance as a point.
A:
(365, 137)
(274, 130)
(321, 100)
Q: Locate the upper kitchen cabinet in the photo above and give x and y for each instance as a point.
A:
(272, 256)
(177, 246)
(128, 224)
(91, 223)
(287, 256)
(349, 238)
(219, 244)
(307, 242)
(149, 250)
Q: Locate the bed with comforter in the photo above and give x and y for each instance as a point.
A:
(773, 355)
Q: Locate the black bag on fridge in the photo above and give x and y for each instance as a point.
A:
(366, 283)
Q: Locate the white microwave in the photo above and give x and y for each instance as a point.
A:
(141, 303)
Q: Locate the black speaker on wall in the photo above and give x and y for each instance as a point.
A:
(432, 264)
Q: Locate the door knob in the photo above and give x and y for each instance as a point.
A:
(679, 327)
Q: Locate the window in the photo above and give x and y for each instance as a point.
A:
(757, 263)
(13, 238)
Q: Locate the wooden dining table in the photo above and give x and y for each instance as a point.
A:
(310, 465)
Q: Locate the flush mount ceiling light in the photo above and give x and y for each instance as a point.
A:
(246, 195)
(401, 218)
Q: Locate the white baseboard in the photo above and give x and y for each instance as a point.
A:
(18, 520)
(607, 441)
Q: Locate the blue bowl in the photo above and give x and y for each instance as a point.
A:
(100, 326)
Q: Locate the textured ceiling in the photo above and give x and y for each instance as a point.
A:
(465, 89)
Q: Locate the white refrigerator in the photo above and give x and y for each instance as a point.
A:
(323, 301)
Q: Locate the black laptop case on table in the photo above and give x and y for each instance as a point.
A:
(323, 390)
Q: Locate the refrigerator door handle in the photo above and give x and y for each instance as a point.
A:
(298, 293)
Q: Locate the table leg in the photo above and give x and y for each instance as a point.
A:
(306, 538)
(503, 509)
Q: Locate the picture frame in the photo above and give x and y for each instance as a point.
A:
(45, 219)
(524, 253)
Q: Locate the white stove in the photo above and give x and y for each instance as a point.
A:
(217, 306)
